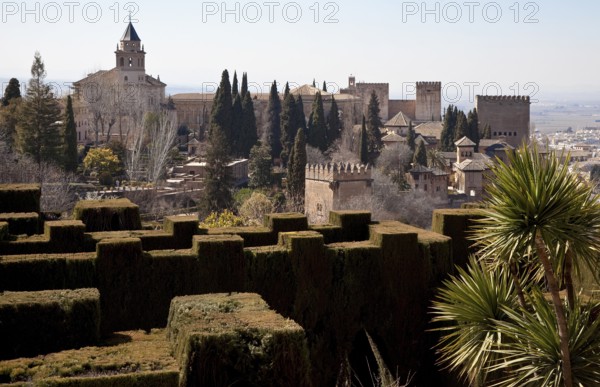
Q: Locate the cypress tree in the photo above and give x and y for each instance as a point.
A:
(273, 130)
(217, 187)
(473, 124)
(374, 126)
(324, 86)
(363, 143)
(259, 166)
(301, 117)
(289, 126)
(297, 168)
(70, 135)
(236, 126)
(318, 130)
(447, 135)
(244, 88)
(462, 128)
(420, 156)
(411, 137)
(334, 125)
(12, 91)
(248, 135)
(314, 84)
(38, 133)
(222, 110)
(487, 132)
(234, 85)
(286, 90)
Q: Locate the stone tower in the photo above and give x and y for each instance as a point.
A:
(429, 101)
(131, 57)
(507, 116)
(329, 187)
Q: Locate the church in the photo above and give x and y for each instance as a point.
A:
(112, 103)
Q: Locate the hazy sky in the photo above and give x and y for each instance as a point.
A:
(542, 48)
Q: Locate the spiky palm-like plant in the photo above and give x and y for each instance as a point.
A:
(541, 213)
(467, 310)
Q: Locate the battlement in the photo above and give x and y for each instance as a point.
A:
(505, 98)
(437, 85)
(373, 84)
(338, 172)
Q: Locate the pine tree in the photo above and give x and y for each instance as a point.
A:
(420, 156)
(374, 127)
(38, 133)
(297, 169)
(473, 124)
(222, 110)
(324, 86)
(259, 166)
(12, 91)
(447, 135)
(334, 125)
(411, 136)
(462, 128)
(363, 143)
(236, 126)
(234, 85)
(273, 130)
(248, 133)
(289, 126)
(318, 129)
(244, 88)
(70, 135)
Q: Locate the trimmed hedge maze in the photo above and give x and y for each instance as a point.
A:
(283, 304)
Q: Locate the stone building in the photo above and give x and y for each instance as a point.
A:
(330, 187)
(507, 116)
(114, 101)
(431, 181)
(470, 169)
(193, 109)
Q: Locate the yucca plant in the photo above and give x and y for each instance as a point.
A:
(467, 310)
(537, 208)
(532, 356)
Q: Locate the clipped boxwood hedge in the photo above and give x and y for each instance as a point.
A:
(20, 197)
(108, 215)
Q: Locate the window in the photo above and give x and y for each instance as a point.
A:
(122, 62)
(495, 134)
(126, 78)
(130, 62)
(515, 134)
(425, 187)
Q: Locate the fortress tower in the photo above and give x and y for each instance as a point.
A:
(507, 116)
(429, 101)
(329, 187)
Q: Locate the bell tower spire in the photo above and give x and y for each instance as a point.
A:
(130, 54)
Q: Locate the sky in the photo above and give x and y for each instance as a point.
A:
(545, 49)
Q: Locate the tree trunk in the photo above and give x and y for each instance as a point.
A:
(561, 319)
(515, 275)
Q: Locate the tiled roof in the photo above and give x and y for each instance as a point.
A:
(130, 34)
(399, 119)
(465, 141)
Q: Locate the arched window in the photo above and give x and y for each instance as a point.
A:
(515, 134)
(126, 78)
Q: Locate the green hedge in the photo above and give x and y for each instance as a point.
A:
(457, 223)
(47, 272)
(20, 198)
(226, 339)
(22, 222)
(108, 215)
(34, 323)
(354, 224)
(129, 359)
(222, 267)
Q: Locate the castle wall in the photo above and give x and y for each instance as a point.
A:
(508, 117)
(406, 106)
(429, 101)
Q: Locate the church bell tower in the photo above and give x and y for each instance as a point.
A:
(131, 57)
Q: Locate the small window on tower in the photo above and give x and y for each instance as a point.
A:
(126, 78)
